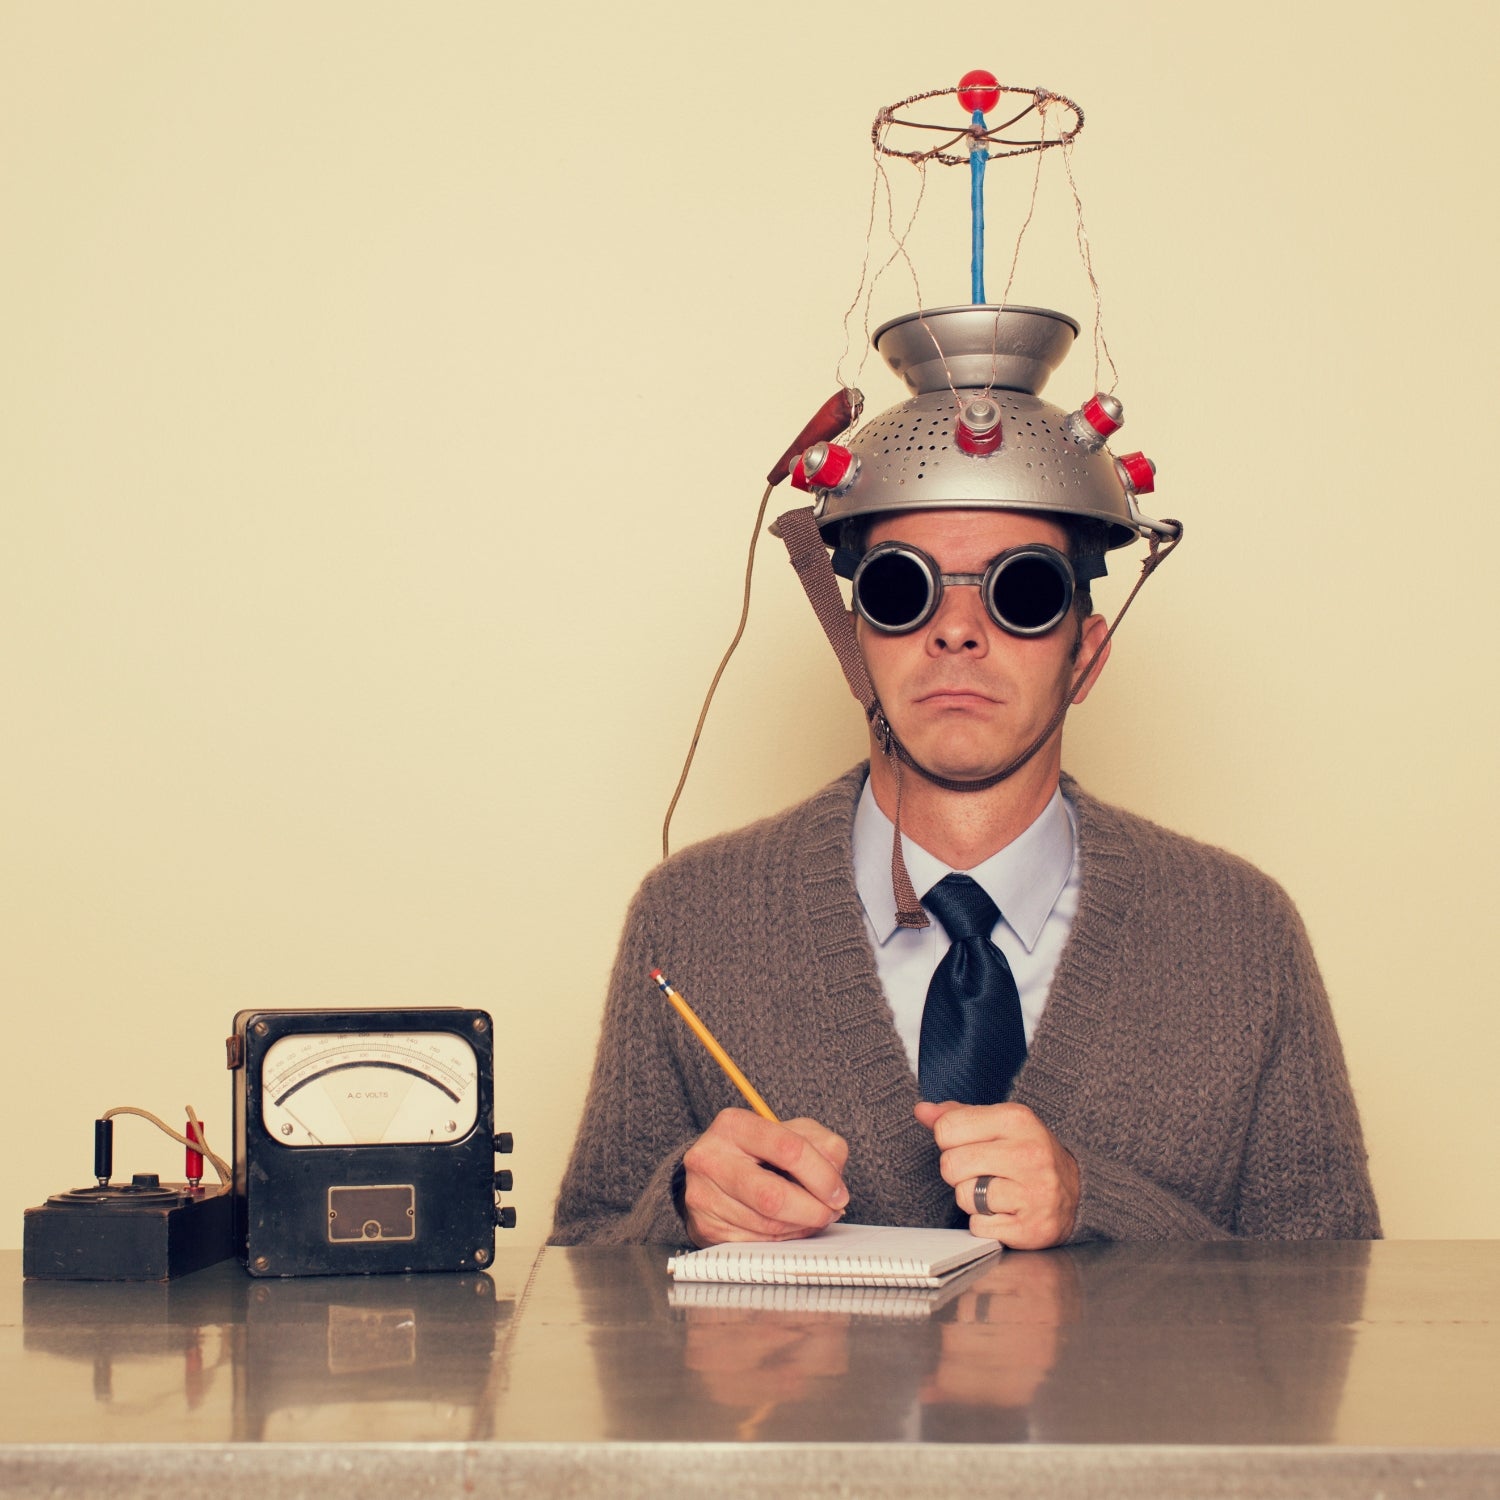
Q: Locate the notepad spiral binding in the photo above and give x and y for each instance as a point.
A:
(804, 1270)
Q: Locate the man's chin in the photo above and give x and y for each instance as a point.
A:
(965, 753)
(961, 765)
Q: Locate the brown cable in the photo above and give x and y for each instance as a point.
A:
(840, 411)
(687, 765)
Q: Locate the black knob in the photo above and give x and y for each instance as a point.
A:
(504, 1181)
(505, 1143)
(145, 1180)
(506, 1217)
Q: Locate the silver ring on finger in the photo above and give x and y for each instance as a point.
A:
(982, 1195)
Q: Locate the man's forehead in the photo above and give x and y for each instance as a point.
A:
(988, 530)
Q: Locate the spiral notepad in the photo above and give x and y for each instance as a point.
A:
(842, 1255)
(889, 1302)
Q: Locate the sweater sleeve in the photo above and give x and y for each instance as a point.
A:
(637, 1120)
(1294, 1163)
(1115, 1202)
(1305, 1173)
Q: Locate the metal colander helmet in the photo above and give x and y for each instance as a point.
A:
(976, 433)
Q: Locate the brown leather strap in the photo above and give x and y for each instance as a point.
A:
(804, 545)
(909, 909)
(809, 555)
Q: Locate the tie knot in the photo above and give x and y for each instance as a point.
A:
(961, 905)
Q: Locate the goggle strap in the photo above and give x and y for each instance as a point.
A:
(845, 561)
(809, 556)
(1089, 567)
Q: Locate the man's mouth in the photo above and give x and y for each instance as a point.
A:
(955, 697)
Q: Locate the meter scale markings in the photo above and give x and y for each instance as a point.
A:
(396, 1067)
(340, 1090)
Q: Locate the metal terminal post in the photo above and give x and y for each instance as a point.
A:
(104, 1151)
(979, 429)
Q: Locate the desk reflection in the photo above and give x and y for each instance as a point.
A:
(1177, 1344)
(1134, 1344)
(252, 1360)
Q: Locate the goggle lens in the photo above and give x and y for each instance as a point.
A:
(1026, 590)
(894, 590)
(1030, 593)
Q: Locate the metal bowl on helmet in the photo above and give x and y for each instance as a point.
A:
(909, 457)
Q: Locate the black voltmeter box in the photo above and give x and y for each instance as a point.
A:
(364, 1141)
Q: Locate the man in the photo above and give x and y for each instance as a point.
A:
(1133, 1043)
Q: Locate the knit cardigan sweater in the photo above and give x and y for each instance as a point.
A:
(1186, 1057)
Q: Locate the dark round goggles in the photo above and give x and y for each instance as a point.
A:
(1026, 590)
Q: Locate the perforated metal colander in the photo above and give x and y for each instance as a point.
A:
(909, 456)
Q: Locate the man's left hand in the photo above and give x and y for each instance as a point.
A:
(1033, 1199)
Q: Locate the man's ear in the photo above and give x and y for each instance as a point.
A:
(1095, 629)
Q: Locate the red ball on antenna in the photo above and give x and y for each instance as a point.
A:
(979, 89)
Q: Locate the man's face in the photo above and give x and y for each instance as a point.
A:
(964, 696)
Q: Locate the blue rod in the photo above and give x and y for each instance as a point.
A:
(977, 158)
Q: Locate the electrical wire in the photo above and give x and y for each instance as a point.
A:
(687, 765)
(200, 1145)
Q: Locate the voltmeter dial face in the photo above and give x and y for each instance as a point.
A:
(369, 1088)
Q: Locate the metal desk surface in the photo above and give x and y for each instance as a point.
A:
(1106, 1369)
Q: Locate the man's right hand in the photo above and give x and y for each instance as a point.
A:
(748, 1178)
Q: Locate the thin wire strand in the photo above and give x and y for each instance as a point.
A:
(917, 286)
(990, 130)
(1100, 342)
(687, 765)
(200, 1145)
(899, 240)
(900, 244)
(864, 272)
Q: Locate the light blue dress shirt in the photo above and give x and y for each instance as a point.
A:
(1034, 881)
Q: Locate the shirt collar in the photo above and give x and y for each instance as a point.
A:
(1024, 879)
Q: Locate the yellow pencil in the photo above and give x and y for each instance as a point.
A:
(718, 1054)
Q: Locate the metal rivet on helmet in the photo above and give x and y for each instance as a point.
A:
(1137, 473)
(1095, 421)
(978, 430)
(825, 466)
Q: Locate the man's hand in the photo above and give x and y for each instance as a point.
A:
(1033, 1199)
(754, 1179)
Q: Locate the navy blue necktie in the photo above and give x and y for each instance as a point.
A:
(973, 1042)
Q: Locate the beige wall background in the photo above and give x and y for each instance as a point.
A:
(384, 399)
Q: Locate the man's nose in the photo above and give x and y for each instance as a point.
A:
(959, 624)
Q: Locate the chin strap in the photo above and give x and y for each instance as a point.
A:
(809, 556)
